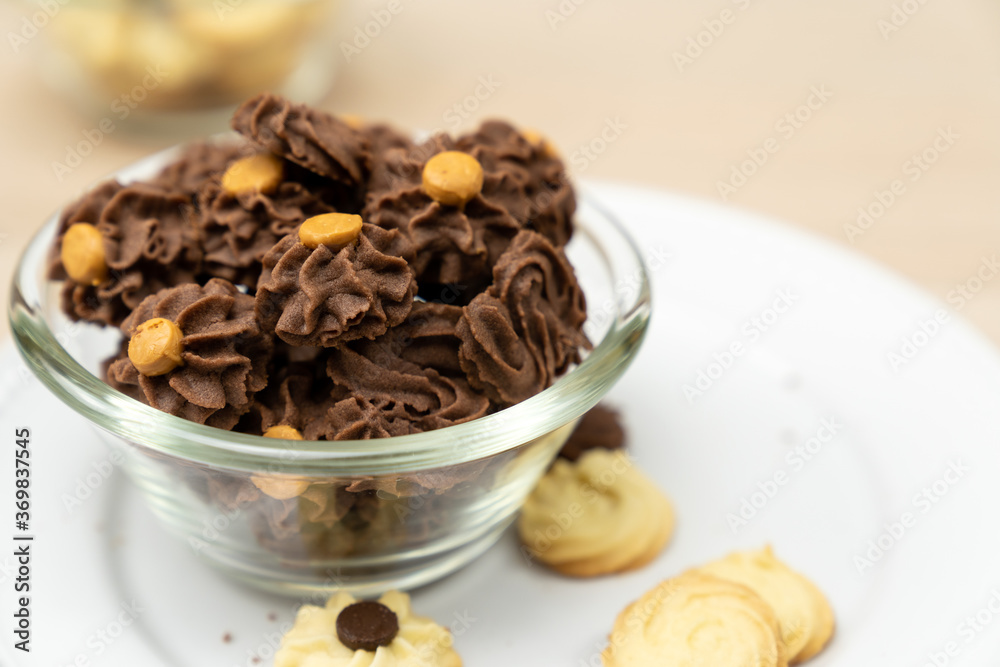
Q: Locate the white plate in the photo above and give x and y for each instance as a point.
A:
(900, 427)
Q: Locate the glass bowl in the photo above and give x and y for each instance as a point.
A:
(365, 516)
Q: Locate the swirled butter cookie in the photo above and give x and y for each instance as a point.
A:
(349, 633)
(696, 620)
(597, 515)
(804, 614)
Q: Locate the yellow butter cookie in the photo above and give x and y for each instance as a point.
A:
(696, 620)
(803, 612)
(349, 633)
(597, 515)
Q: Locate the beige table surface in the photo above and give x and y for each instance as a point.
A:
(684, 127)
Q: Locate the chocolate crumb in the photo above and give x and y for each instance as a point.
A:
(226, 638)
(272, 617)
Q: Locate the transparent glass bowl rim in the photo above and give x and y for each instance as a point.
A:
(569, 397)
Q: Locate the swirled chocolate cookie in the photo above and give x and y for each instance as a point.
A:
(195, 352)
(335, 279)
(119, 244)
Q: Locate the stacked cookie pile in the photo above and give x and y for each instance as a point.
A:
(595, 513)
(748, 608)
(329, 280)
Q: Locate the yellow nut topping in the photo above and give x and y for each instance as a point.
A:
(453, 177)
(82, 254)
(278, 487)
(155, 348)
(258, 173)
(532, 136)
(535, 138)
(330, 229)
(283, 432)
(353, 121)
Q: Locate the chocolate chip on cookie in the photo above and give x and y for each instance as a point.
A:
(366, 625)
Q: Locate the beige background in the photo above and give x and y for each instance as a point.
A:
(686, 127)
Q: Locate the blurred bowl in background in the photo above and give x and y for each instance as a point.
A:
(160, 63)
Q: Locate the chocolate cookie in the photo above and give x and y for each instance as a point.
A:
(138, 240)
(459, 216)
(318, 141)
(195, 352)
(523, 332)
(247, 209)
(534, 164)
(324, 284)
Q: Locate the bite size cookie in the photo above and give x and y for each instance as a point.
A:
(335, 279)
(459, 217)
(315, 140)
(197, 164)
(803, 612)
(400, 393)
(194, 352)
(696, 620)
(119, 244)
(527, 328)
(532, 162)
(249, 207)
(427, 338)
(598, 515)
(348, 633)
(297, 397)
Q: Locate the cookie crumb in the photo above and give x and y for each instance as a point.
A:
(272, 617)
(226, 638)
